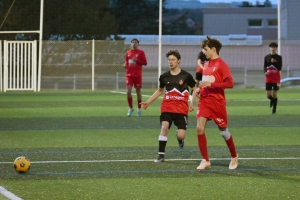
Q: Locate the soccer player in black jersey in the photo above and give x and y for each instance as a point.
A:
(272, 68)
(174, 106)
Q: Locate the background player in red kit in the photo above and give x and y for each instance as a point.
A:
(134, 60)
(174, 107)
(200, 62)
(216, 77)
(272, 68)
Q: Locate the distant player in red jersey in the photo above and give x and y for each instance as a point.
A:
(272, 68)
(216, 77)
(134, 60)
(174, 106)
(200, 62)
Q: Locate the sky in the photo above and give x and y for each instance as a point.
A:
(229, 1)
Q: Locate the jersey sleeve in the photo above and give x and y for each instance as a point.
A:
(191, 81)
(142, 60)
(161, 81)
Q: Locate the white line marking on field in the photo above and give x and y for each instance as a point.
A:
(132, 94)
(148, 160)
(8, 194)
(282, 99)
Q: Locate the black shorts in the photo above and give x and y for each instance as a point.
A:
(272, 86)
(180, 120)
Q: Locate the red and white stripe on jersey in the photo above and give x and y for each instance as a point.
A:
(273, 75)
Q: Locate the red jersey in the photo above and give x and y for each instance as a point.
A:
(216, 71)
(134, 68)
(177, 91)
(273, 75)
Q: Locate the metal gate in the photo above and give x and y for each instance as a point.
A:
(20, 65)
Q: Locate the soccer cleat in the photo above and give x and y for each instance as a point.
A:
(203, 165)
(234, 162)
(161, 158)
(180, 142)
(139, 112)
(130, 111)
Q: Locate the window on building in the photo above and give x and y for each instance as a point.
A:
(272, 23)
(255, 23)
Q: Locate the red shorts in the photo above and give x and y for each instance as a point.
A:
(211, 108)
(134, 80)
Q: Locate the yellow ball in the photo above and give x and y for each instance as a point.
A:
(22, 164)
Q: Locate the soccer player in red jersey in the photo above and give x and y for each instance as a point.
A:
(272, 68)
(200, 62)
(216, 77)
(174, 106)
(134, 60)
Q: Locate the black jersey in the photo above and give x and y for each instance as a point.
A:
(177, 91)
(268, 61)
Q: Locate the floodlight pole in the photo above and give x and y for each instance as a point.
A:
(279, 27)
(40, 45)
(159, 38)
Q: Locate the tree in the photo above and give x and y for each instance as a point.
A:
(62, 18)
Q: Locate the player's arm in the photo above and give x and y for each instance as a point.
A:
(142, 60)
(227, 83)
(279, 63)
(126, 61)
(155, 95)
(191, 106)
(265, 65)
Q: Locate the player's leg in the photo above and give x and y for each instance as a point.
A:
(231, 146)
(275, 99)
(219, 114)
(138, 86)
(269, 93)
(129, 84)
(166, 122)
(181, 121)
(202, 143)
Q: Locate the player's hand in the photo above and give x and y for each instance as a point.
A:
(144, 105)
(191, 107)
(205, 84)
(273, 60)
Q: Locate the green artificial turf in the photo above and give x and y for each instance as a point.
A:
(82, 146)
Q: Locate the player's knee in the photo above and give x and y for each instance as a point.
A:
(269, 97)
(200, 130)
(225, 133)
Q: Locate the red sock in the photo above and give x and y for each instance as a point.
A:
(129, 100)
(231, 147)
(139, 103)
(202, 144)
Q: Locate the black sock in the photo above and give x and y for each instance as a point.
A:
(274, 104)
(271, 100)
(162, 146)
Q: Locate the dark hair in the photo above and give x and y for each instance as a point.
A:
(134, 39)
(212, 42)
(174, 53)
(273, 44)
